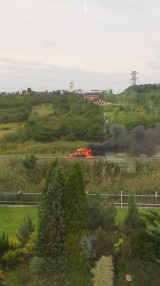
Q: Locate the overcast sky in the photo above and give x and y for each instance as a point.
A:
(94, 43)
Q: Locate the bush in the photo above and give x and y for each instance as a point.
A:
(25, 231)
(101, 216)
(17, 277)
(4, 243)
(29, 162)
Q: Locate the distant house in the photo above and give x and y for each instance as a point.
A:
(95, 97)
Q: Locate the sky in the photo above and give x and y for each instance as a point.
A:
(94, 43)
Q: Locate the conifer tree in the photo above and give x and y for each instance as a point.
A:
(133, 230)
(75, 215)
(25, 230)
(51, 230)
(135, 245)
(74, 201)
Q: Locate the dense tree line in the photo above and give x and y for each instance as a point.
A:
(71, 118)
(144, 88)
(137, 105)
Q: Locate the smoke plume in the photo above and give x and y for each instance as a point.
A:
(139, 142)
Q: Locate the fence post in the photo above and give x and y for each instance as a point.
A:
(156, 198)
(20, 197)
(121, 198)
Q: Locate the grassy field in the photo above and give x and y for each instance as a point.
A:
(8, 128)
(12, 217)
(43, 110)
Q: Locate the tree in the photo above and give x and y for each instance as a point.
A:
(153, 231)
(29, 90)
(4, 243)
(102, 224)
(137, 249)
(132, 231)
(25, 230)
(75, 214)
(100, 215)
(51, 229)
(29, 162)
(74, 202)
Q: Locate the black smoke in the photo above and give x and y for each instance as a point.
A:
(139, 141)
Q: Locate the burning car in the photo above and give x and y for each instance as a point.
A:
(82, 153)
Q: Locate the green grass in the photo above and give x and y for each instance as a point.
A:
(12, 217)
(121, 212)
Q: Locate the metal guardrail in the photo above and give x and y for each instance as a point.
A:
(120, 199)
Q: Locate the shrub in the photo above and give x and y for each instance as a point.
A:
(25, 231)
(4, 243)
(29, 162)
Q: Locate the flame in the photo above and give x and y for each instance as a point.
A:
(82, 152)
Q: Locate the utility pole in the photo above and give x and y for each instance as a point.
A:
(134, 77)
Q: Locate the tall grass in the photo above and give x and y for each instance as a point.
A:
(144, 177)
(55, 149)
(14, 177)
(100, 176)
